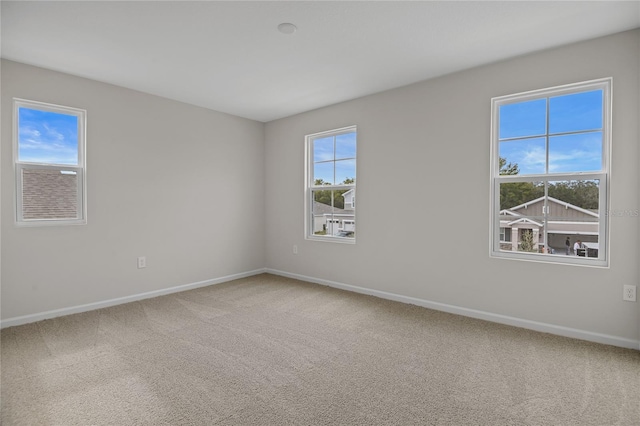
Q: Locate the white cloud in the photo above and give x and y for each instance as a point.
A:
(53, 133)
(29, 132)
(533, 160)
(574, 160)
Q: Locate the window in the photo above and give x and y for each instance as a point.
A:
(49, 157)
(330, 212)
(505, 235)
(550, 174)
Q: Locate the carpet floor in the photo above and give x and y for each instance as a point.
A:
(268, 350)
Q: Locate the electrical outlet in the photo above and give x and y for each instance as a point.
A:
(295, 249)
(629, 293)
(142, 262)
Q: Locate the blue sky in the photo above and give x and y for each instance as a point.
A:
(523, 121)
(335, 162)
(47, 137)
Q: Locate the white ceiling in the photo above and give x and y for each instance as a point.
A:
(229, 56)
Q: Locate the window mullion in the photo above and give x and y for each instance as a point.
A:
(546, 138)
(346, 186)
(334, 159)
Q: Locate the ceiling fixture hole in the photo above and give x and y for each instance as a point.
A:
(287, 28)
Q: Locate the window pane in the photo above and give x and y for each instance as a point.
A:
(321, 211)
(330, 215)
(323, 149)
(323, 173)
(576, 112)
(345, 171)
(580, 152)
(47, 137)
(49, 194)
(523, 156)
(346, 145)
(574, 214)
(522, 216)
(523, 119)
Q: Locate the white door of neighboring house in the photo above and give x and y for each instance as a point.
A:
(349, 225)
(333, 226)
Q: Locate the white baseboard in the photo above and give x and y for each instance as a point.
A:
(25, 319)
(473, 313)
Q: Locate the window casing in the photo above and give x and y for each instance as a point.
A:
(330, 173)
(550, 170)
(49, 161)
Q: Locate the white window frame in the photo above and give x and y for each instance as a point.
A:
(79, 169)
(604, 84)
(310, 187)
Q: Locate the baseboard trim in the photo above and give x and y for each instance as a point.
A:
(26, 319)
(473, 313)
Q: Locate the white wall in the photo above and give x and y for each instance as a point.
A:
(178, 184)
(426, 146)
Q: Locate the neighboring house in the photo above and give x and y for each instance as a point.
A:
(563, 220)
(332, 220)
(349, 199)
(49, 194)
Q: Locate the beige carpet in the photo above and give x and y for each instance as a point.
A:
(268, 350)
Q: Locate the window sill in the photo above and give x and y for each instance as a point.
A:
(337, 240)
(53, 222)
(561, 259)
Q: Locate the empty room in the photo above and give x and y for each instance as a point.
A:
(181, 244)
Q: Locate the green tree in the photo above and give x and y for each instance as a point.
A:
(584, 194)
(507, 169)
(321, 196)
(516, 193)
(328, 195)
(526, 241)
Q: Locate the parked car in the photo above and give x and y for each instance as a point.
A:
(345, 234)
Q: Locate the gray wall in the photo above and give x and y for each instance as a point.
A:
(178, 184)
(424, 149)
(197, 192)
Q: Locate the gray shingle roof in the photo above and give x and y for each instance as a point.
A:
(49, 194)
(320, 209)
